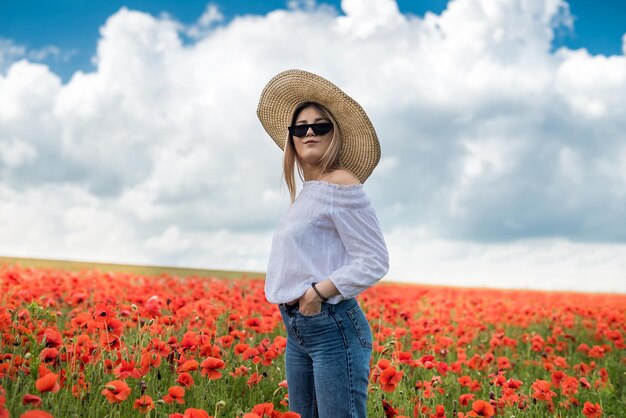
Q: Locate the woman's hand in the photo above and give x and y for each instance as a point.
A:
(309, 303)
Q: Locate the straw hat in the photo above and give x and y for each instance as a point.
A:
(360, 151)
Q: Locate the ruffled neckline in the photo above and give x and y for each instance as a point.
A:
(333, 185)
(341, 195)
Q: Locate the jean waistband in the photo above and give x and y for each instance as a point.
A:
(341, 306)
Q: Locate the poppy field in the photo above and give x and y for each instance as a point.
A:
(103, 344)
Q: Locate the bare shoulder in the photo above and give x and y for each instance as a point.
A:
(343, 177)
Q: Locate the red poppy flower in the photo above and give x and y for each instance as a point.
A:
(210, 366)
(389, 378)
(175, 394)
(115, 327)
(389, 410)
(48, 355)
(592, 411)
(187, 366)
(150, 360)
(225, 340)
(189, 341)
(268, 356)
(263, 409)
(542, 390)
(102, 312)
(185, 379)
(440, 412)
(251, 354)
(29, 399)
(240, 371)
(52, 337)
(110, 342)
(465, 399)
(240, 348)
(253, 323)
(513, 384)
(81, 320)
(585, 383)
(144, 404)
(195, 413)
(36, 413)
(48, 383)
(126, 369)
(254, 379)
(383, 363)
(116, 391)
(481, 408)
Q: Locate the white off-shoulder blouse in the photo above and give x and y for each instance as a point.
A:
(330, 231)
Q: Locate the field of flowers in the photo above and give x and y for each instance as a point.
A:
(98, 344)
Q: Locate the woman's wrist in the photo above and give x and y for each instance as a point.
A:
(312, 296)
(318, 293)
(327, 288)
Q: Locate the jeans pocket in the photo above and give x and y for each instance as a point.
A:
(315, 315)
(361, 326)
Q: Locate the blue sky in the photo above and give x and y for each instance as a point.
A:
(72, 25)
(503, 151)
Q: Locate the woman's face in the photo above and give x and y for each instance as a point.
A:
(311, 147)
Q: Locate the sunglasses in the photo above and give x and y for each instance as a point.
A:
(318, 129)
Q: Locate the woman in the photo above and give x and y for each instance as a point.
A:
(328, 247)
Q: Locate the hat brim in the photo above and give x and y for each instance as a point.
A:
(287, 90)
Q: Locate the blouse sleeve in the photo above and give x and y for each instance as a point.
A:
(360, 232)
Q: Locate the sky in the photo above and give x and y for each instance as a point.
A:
(128, 132)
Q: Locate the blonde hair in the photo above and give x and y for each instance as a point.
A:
(330, 161)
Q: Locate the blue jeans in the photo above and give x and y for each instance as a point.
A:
(327, 360)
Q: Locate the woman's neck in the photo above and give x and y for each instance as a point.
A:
(315, 174)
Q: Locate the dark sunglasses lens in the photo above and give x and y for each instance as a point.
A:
(298, 130)
(322, 128)
(318, 129)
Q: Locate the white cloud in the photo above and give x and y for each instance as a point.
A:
(211, 16)
(14, 153)
(547, 264)
(496, 152)
(10, 52)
